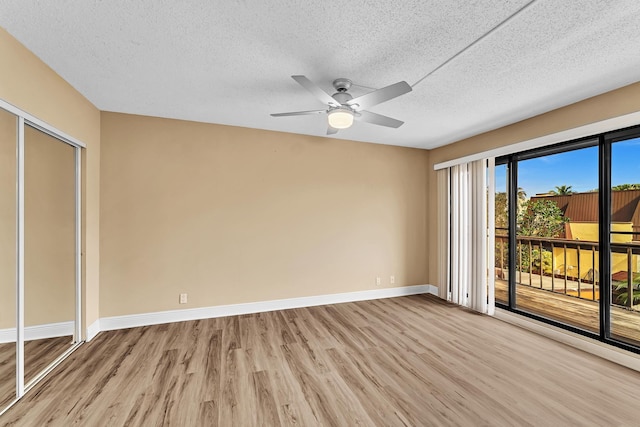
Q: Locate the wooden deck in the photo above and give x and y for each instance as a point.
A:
(578, 312)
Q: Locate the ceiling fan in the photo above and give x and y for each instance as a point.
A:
(343, 109)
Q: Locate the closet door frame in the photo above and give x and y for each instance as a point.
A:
(24, 120)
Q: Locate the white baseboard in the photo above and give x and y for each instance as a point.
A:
(92, 330)
(432, 289)
(135, 320)
(38, 332)
(589, 345)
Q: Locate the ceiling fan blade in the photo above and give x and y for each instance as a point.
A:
(298, 113)
(316, 91)
(331, 131)
(378, 119)
(379, 96)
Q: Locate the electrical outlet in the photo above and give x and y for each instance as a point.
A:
(183, 298)
(392, 280)
(378, 281)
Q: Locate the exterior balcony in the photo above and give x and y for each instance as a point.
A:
(559, 279)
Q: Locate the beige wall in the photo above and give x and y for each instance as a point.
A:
(7, 220)
(609, 105)
(28, 83)
(231, 215)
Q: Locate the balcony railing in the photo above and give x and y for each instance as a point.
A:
(544, 263)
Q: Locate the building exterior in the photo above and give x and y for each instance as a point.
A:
(579, 259)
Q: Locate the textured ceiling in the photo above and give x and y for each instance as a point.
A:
(230, 62)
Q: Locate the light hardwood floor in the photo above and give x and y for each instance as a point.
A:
(37, 355)
(403, 361)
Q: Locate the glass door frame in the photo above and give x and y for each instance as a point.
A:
(24, 119)
(607, 141)
(604, 142)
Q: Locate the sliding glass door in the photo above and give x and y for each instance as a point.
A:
(557, 235)
(567, 235)
(625, 238)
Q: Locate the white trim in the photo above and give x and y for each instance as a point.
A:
(9, 405)
(20, 332)
(145, 319)
(491, 236)
(590, 129)
(77, 153)
(40, 124)
(93, 330)
(589, 345)
(38, 332)
(431, 289)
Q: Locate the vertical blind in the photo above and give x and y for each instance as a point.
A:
(465, 234)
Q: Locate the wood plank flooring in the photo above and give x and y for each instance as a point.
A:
(37, 355)
(585, 314)
(396, 362)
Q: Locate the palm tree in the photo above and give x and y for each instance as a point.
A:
(522, 195)
(562, 190)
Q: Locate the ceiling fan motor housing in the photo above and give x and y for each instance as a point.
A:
(342, 84)
(342, 97)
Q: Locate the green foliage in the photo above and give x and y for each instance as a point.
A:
(621, 187)
(542, 218)
(527, 266)
(623, 297)
(622, 291)
(625, 187)
(562, 190)
(539, 218)
(501, 213)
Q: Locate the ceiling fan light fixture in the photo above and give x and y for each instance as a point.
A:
(340, 118)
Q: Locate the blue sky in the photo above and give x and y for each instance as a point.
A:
(577, 168)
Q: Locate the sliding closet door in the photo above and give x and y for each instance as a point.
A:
(40, 250)
(8, 130)
(50, 248)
